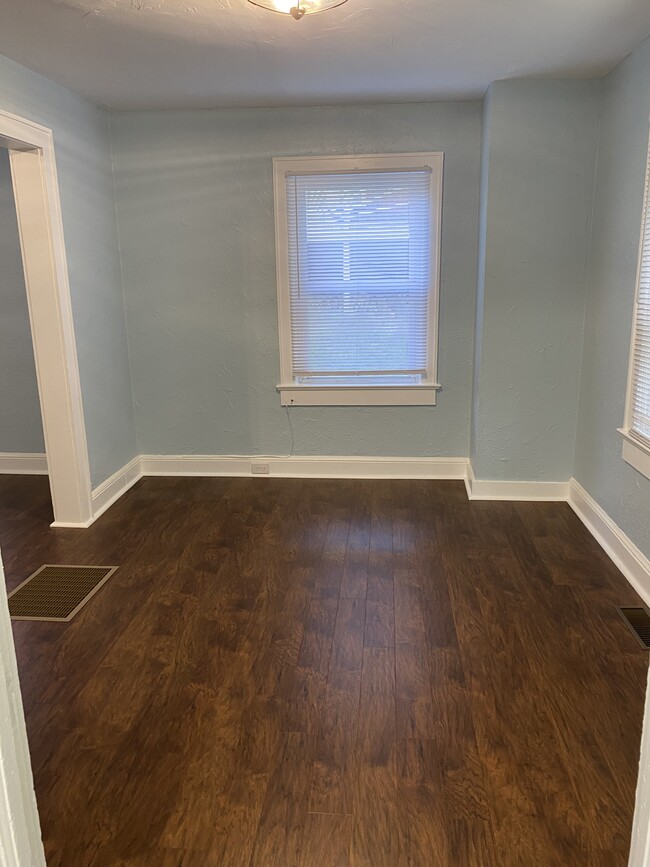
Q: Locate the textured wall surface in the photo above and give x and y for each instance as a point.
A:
(83, 159)
(195, 209)
(21, 429)
(539, 155)
(621, 491)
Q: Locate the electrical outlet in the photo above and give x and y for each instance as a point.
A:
(260, 469)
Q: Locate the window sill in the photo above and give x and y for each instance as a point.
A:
(636, 453)
(351, 395)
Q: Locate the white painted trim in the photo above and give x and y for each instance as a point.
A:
(481, 489)
(40, 225)
(306, 466)
(635, 452)
(620, 548)
(645, 213)
(20, 835)
(640, 846)
(327, 395)
(355, 163)
(23, 464)
(469, 480)
(195, 465)
(109, 491)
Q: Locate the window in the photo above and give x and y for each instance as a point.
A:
(358, 242)
(636, 448)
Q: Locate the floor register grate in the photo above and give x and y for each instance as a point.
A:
(57, 593)
(638, 621)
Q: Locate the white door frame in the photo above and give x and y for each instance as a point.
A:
(20, 832)
(640, 846)
(40, 225)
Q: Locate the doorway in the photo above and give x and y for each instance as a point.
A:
(40, 227)
(23, 465)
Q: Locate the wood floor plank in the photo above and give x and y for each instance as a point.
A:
(423, 836)
(380, 625)
(334, 770)
(413, 676)
(347, 646)
(303, 706)
(326, 841)
(284, 812)
(355, 569)
(375, 836)
(332, 786)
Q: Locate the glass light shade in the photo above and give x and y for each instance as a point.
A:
(297, 8)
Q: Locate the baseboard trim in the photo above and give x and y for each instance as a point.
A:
(481, 489)
(617, 545)
(104, 495)
(70, 525)
(305, 466)
(23, 464)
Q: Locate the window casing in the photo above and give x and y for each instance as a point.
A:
(636, 432)
(358, 260)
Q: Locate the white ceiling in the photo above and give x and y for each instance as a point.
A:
(204, 53)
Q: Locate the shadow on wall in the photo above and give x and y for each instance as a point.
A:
(21, 428)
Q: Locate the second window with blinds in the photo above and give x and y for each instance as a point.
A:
(358, 261)
(636, 429)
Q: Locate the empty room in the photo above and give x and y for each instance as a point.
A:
(325, 433)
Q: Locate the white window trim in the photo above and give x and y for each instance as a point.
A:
(635, 451)
(293, 394)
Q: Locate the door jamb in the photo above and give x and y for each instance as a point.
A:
(40, 225)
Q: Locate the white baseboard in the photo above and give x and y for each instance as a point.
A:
(195, 465)
(23, 464)
(480, 489)
(305, 466)
(70, 525)
(620, 548)
(109, 491)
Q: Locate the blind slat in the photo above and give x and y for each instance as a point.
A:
(359, 272)
(640, 414)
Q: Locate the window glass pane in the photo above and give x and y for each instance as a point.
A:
(360, 274)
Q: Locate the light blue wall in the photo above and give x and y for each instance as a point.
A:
(621, 491)
(539, 154)
(195, 209)
(21, 429)
(81, 141)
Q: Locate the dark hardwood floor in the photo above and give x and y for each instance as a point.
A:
(302, 673)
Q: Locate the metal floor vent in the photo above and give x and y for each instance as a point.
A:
(57, 592)
(638, 621)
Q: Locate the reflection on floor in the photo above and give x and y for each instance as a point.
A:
(324, 673)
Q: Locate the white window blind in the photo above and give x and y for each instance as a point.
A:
(359, 249)
(639, 423)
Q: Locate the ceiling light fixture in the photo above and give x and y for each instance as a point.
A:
(297, 8)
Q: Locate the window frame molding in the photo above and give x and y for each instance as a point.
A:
(636, 451)
(295, 394)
